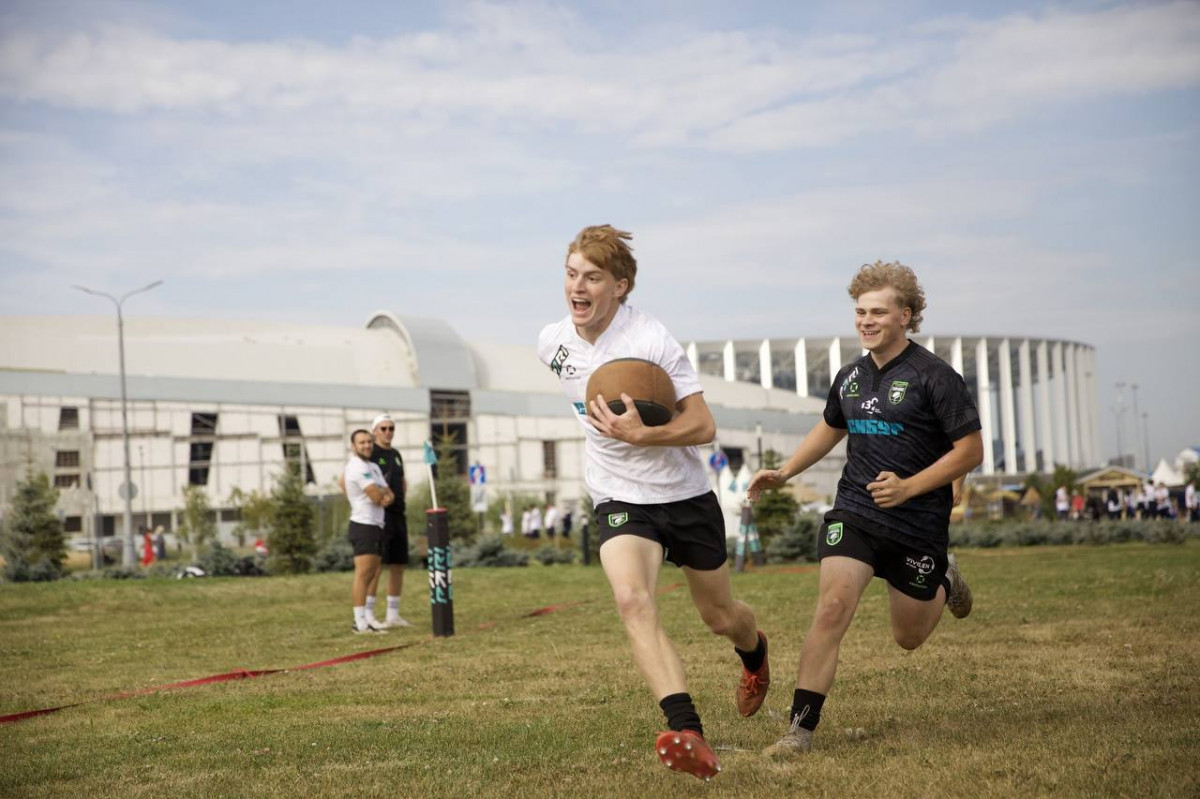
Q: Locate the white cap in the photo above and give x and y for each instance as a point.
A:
(380, 419)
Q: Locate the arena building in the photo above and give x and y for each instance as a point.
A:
(225, 405)
(1037, 398)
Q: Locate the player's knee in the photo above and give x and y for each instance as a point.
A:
(833, 615)
(719, 620)
(633, 602)
(908, 639)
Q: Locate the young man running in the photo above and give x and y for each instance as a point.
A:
(369, 495)
(652, 495)
(914, 431)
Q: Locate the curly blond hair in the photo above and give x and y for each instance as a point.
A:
(606, 247)
(895, 275)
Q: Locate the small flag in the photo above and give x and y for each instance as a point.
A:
(430, 457)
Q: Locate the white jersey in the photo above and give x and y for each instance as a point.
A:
(614, 469)
(359, 474)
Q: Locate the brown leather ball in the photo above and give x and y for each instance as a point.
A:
(645, 381)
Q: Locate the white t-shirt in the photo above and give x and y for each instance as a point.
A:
(614, 469)
(551, 518)
(359, 474)
(1189, 497)
(1061, 500)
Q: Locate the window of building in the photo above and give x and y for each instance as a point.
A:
(66, 481)
(73, 524)
(199, 461)
(68, 418)
(449, 414)
(204, 424)
(550, 459)
(295, 451)
(66, 459)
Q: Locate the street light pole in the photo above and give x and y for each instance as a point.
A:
(1146, 437)
(1119, 413)
(1136, 430)
(130, 557)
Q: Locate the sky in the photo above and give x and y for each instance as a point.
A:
(1037, 164)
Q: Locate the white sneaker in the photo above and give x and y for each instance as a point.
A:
(368, 630)
(375, 624)
(397, 621)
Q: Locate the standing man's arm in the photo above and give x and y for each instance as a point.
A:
(816, 445)
(342, 482)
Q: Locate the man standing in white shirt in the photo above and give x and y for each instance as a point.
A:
(652, 495)
(1191, 502)
(551, 521)
(369, 494)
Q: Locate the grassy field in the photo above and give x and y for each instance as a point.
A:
(1077, 674)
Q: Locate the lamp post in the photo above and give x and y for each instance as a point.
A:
(1119, 413)
(130, 557)
(1136, 430)
(1146, 438)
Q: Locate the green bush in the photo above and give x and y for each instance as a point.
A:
(218, 561)
(1041, 533)
(489, 550)
(798, 542)
(549, 555)
(336, 556)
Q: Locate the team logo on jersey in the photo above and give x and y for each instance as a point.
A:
(896, 392)
(617, 519)
(833, 534)
(849, 386)
(580, 408)
(560, 358)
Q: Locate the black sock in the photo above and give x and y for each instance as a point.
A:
(753, 660)
(681, 713)
(806, 705)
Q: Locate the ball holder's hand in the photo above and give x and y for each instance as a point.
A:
(763, 480)
(889, 490)
(627, 427)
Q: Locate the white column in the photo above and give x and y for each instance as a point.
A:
(1068, 353)
(1045, 429)
(1028, 440)
(1062, 449)
(956, 361)
(801, 368)
(835, 358)
(765, 375)
(1081, 408)
(1008, 413)
(983, 387)
(730, 362)
(1095, 400)
(693, 355)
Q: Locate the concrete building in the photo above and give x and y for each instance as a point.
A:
(222, 404)
(1037, 397)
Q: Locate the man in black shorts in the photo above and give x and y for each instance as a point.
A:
(914, 431)
(653, 498)
(395, 523)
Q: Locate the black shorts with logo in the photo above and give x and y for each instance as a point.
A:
(910, 565)
(691, 531)
(395, 538)
(367, 539)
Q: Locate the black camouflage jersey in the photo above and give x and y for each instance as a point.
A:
(392, 466)
(901, 419)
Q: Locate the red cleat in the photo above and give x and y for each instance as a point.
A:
(752, 689)
(687, 751)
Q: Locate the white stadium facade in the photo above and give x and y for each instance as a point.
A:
(226, 404)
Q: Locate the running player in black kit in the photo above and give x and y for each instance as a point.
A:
(914, 431)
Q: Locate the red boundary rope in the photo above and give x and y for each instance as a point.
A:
(244, 674)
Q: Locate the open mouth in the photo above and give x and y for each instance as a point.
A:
(580, 306)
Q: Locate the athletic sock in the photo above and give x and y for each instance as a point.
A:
(806, 706)
(753, 659)
(371, 605)
(681, 713)
(393, 607)
(360, 616)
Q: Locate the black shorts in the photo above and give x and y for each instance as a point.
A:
(395, 538)
(910, 565)
(691, 531)
(367, 539)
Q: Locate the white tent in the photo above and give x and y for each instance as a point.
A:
(1166, 474)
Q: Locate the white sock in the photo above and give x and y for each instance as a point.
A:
(371, 604)
(393, 607)
(360, 616)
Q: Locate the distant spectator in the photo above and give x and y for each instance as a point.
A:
(535, 522)
(147, 547)
(526, 530)
(1131, 503)
(1062, 502)
(1076, 506)
(1147, 501)
(1162, 502)
(1191, 503)
(1113, 504)
(551, 520)
(260, 547)
(506, 522)
(566, 523)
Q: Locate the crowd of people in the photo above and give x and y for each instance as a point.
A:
(1149, 501)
